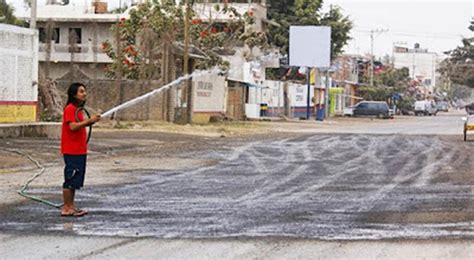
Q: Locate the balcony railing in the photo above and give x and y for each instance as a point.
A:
(63, 52)
(207, 11)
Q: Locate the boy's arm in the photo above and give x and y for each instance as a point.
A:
(74, 126)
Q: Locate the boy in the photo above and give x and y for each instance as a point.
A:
(74, 147)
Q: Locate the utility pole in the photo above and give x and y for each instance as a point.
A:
(33, 14)
(371, 69)
(119, 74)
(188, 83)
(308, 96)
(326, 96)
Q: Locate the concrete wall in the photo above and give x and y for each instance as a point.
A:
(209, 97)
(48, 130)
(271, 92)
(104, 95)
(18, 74)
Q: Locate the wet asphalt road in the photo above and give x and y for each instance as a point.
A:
(312, 186)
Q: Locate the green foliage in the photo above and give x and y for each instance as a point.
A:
(392, 77)
(406, 104)
(459, 67)
(340, 29)
(6, 15)
(375, 93)
(307, 12)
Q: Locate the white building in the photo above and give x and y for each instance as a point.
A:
(421, 64)
(18, 74)
(78, 23)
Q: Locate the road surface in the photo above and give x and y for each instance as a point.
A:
(274, 196)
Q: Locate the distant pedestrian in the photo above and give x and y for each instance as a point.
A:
(74, 147)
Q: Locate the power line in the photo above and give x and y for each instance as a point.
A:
(424, 35)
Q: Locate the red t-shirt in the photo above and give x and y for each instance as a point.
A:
(73, 142)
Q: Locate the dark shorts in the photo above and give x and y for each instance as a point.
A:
(74, 171)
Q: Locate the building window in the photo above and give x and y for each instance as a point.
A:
(230, 2)
(75, 39)
(43, 35)
(75, 35)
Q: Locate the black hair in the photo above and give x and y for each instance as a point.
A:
(72, 92)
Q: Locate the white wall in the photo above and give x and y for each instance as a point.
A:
(272, 93)
(209, 93)
(18, 64)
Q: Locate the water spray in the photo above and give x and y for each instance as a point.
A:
(176, 82)
(156, 91)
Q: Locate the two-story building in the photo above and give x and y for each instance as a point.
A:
(71, 35)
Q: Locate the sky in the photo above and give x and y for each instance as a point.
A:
(436, 25)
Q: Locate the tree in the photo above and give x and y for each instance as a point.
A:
(149, 44)
(459, 66)
(163, 23)
(307, 12)
(7, 16)
(392, 77)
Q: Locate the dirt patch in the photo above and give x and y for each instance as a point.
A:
(206, 130)
(9, 160)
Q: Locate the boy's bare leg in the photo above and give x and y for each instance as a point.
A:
(68, 197)
(80, 211)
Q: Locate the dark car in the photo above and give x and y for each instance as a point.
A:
(379, 109)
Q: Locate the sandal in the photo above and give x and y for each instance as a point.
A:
(74, 213)
(85, 212)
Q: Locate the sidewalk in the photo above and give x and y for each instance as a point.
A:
(50, 130)
(90, 247)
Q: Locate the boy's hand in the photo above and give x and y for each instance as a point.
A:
(95, 118)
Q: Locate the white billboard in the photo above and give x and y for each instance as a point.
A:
(310, 46)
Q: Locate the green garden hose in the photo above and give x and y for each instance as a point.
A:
(76, 114)
(23, 189)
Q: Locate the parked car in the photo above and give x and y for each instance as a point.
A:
(348, 111)
(470, 109)
(442, 106)
(379, 109)
(425, 107)
(468, 125)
